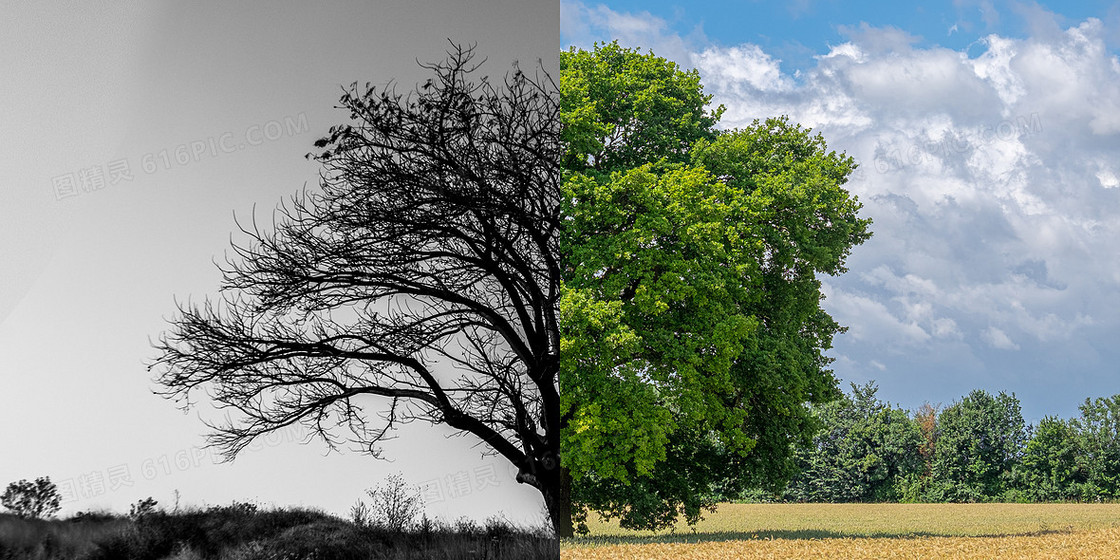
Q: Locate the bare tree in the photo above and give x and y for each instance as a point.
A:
(393, 505)
(421, 278)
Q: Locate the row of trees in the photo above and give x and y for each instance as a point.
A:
(977, 449)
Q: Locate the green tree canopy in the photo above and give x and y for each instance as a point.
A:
(692, 331)
(979, 442)
(1049, 468)
(623, 109)
(866, 444)
(1098, 431)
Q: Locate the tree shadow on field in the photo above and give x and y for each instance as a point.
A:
(799, 534)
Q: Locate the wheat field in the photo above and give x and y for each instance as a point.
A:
(871, 531)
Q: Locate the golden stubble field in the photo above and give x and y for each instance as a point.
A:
(871, 531)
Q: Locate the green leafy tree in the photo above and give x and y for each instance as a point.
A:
(1049, 469)
(979, 441)
(916, 487)
(692, 335)
(33, 500)
(1098, 431)
(865, 445)
(623, 109)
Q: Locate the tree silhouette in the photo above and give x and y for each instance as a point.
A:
(33, 500)
(422, 278)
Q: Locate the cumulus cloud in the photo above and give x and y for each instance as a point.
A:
(991, 179)
(878, 40)
(998, 339)
(585, 25)
(991, 175)
(736, 68)
(877, 324)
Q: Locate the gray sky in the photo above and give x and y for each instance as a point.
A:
(132, 133)
(988, 138)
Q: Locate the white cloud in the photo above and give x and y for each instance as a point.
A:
(734, 68)
(998, 339)
(849, 50)
(585, 25)
(878, 40)
(992, 179)
(945, 327)
(984, 177)
(1108, 179)
(994, 66)
(876, 321)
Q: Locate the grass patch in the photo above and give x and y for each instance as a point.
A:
(241, 532)
(41, 539)
(868, 531)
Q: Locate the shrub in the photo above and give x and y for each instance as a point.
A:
(235, 508)
(361, 514)
(144, 507)
(41, 539)
(148, 539)
(394, 506)
(32, 500)
(324, 540)
(92, 516)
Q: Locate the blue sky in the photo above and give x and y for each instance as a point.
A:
(988, 138)
(796, 31)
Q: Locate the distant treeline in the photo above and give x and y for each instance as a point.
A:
(975, 450)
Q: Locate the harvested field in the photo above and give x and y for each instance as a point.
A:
(871, 531)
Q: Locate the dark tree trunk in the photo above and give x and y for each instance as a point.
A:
(563, 516)
(557, 491)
